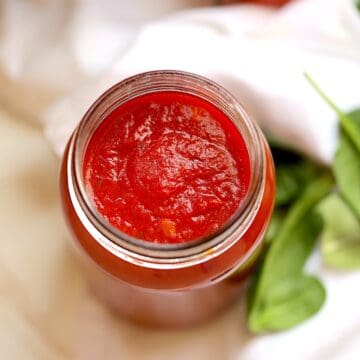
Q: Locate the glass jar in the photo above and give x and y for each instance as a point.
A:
(178, 284)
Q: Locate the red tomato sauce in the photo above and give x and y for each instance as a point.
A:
(167, 167)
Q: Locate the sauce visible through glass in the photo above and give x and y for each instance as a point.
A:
(167, 167)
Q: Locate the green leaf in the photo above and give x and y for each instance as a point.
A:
(350, 127)
(299, 212)
(292, 301)
(277, 219)
(282, 269)
(346, 166)
(291, 179)
(293, 174)
(340, 243)
(357, 4)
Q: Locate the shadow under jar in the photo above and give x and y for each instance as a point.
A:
(170, 281)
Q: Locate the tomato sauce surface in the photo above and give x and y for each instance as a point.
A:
(167, 167)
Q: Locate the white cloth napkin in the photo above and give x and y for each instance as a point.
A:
(256, 53)
(73, 51)
(66, 54)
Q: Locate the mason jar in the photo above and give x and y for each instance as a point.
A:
(168, 285)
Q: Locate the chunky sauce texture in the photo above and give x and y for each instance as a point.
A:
(167, 167)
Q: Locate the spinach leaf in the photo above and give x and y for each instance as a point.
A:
(292, 302)
(277, 219)
(291, 179)
(346, 166)
(350, 127)
(293, 174)
(281, 294)
(341, 237)
(281, 279)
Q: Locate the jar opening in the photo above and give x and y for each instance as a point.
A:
(160, 81)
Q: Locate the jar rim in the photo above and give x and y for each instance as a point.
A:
(141, 251)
